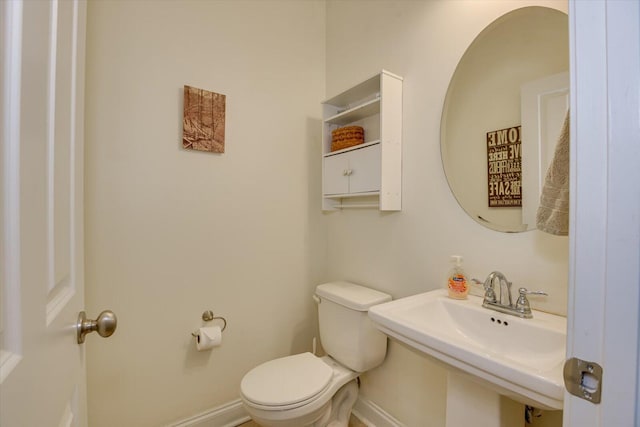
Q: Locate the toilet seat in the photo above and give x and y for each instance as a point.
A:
(303, 412)
(286, 383)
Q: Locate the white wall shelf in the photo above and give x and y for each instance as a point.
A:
(356, 113)
(368, 175)
(352, 195)
(344, 150)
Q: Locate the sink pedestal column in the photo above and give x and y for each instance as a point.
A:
(471, 404)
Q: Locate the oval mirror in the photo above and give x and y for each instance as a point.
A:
(486, 153)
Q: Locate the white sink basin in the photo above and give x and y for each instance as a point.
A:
(519, 358)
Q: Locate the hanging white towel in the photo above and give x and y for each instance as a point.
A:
(553, 212)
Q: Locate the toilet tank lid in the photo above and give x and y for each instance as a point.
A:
(352, 296)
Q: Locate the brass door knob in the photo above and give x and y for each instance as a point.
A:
(105, 325)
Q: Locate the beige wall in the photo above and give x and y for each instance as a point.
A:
(171, 233)
(408, 252)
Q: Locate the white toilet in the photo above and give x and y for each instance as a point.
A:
(306, 390)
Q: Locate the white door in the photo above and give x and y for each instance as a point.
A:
(543, 106)
(42, 371)
(365, 169)
(335, 174)
(604, 270)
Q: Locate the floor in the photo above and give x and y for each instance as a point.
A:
(353, 422)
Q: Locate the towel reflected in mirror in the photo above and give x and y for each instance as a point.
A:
(553, 212)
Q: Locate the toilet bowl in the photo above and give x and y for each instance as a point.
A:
(274, 396)
(306, 390)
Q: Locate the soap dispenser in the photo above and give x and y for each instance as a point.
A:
(457, 283)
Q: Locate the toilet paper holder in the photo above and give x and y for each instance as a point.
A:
(208, 316)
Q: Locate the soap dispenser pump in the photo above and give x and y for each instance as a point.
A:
(457, 283)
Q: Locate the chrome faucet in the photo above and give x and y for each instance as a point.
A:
(504, 303)
(504, 287)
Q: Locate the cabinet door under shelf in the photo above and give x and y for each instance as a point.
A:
(335, 178)
(356, 171)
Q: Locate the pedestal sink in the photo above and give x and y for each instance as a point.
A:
(518, 358)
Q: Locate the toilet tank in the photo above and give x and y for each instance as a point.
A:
(346, 332)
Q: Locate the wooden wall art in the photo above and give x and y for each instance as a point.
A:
(504, 167)
(203, 122)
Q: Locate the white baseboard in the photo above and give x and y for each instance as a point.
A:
(233, 414)
(228, 415)
(373, 415)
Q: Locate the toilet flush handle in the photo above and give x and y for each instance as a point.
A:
(316, 298)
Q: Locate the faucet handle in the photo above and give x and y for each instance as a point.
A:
(489, 292)
(522, 304)
(525, 291)
(486, 284)
(477, 281)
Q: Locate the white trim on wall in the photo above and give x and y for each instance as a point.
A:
(230, 414)
(373, 415)
(233, 413)
(11, 326)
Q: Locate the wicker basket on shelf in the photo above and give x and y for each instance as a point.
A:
(346, 137)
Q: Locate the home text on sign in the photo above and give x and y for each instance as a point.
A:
(504, 167)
